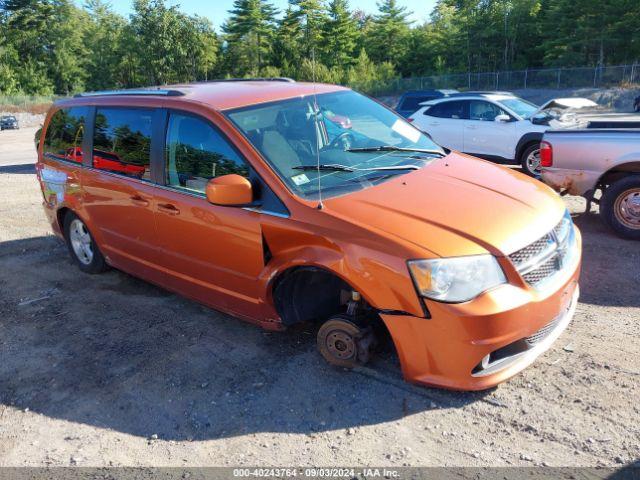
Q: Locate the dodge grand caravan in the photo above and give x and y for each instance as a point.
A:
(242, 196)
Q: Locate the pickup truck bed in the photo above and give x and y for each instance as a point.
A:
(581, 162)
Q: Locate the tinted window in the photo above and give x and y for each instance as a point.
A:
(413, 103)
(122, 141)
(484, 111)
(456, 110)
(63, 140)
(196, 152)
(294, 135)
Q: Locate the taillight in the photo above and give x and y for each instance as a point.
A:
(410, 120)
(546, 154)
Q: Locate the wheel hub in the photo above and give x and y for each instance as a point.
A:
(81, 241)
(627, 208)
(341, 345)
(533, 159)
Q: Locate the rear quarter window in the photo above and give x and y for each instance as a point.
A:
(455, 110)
(413, 103)
(65, 133)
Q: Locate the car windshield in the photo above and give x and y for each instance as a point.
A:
(521, 107)
(356, 141)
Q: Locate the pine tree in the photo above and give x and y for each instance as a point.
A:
(312, 15)
(286, 50)
(250, 30)
(340, 36)
(388, 40)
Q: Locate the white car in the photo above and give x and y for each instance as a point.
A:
(497, 126)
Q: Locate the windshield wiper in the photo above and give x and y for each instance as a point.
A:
(325, 166)
(391, 148)
(336, 167)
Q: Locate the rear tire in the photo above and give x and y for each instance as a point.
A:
(620, 207)
(82, 246)
(530, 160)
(343, 343)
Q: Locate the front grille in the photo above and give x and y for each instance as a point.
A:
(542, 259)
(542, 271)
(530, 251)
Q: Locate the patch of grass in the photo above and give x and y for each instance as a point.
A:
(35, 104)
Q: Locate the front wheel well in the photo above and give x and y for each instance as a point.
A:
(303, 294)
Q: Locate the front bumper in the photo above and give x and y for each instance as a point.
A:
(469, 346)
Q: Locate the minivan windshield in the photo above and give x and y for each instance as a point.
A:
(356, 141)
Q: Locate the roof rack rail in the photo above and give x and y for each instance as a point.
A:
(479, 93)
(141, 91)
(254, 79)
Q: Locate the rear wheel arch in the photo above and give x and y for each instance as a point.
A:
(617, 172)
(60, 216)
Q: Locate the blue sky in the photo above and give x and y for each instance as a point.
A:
(216, 10)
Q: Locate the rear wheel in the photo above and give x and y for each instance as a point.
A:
(345, 344)
(620, 207)
(82, 246)
(530, 160)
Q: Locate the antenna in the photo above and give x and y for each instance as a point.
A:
(316, 111)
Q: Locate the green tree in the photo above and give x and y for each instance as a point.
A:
(102, 38)
(249, 31)
(46, 36)
(286, 50)
(340, 36)
(312, 16)
(388, 39)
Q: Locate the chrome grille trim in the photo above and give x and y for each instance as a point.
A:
(543, 259)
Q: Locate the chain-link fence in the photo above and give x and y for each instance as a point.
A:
(557, 78)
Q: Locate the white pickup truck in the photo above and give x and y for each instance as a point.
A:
(581, 162)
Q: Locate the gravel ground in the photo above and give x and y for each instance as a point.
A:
(108, 371)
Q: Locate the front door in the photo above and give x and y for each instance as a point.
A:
(483, 135)
(211, 253)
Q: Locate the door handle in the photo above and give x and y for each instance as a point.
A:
(139, 200)
(472, 127)
(435, 124)
(168, 208)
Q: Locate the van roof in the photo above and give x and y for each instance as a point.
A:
(219, 94)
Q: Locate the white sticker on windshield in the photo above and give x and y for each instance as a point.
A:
(300, 179)
(406, 130)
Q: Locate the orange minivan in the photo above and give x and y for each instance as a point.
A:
(249, 197)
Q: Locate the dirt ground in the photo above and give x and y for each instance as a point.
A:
(109, 371)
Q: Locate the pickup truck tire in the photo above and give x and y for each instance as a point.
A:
(530, 160)
(620, 207)
(82, 246)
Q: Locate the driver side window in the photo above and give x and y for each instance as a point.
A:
(484, 111)
(195, 153)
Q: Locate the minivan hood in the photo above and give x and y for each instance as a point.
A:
(457, 205)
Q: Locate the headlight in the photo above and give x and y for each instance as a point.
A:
(456, 279)
(564, 228)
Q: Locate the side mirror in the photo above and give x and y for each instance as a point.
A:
(229, 190)
(502, 118)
